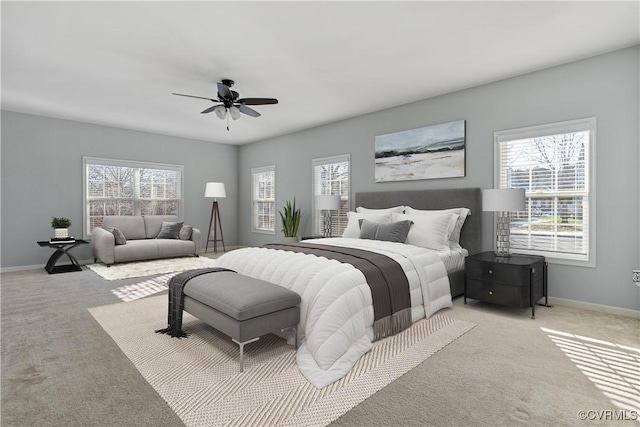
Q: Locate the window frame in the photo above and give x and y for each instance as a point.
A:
(588, 124)
(134, 164)
(254, 211)
(341, 158)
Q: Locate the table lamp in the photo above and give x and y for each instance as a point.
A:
(327, 203)
(504, 201)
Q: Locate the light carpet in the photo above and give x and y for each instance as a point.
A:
(128, 270)
(198, 376)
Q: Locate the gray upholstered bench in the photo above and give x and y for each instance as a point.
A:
(242, 307)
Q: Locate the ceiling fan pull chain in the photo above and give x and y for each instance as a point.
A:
(227, 121)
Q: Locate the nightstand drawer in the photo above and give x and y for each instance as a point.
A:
(515, 275)
(512, 296)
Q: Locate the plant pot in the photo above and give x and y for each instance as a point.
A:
(290, 239)
(60, 232)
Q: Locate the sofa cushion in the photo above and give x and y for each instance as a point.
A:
(175, 247)
(136, 250)
(132, 227)
(153, 224)
(117, 234)
(170, 230)
(185, 232)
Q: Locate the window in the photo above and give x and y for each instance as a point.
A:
(263, 197)
(555, 165)
(121, 187)
(331, 177)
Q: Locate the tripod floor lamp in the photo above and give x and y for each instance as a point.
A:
(215, 190)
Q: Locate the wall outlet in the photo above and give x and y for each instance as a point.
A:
(636, 277)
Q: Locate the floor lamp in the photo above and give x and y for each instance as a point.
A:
(327, 204)
(504, 201)
(215, 190)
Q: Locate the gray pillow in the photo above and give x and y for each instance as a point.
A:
(390, 232)
(185, 232)
(170, 230)
(117, 235)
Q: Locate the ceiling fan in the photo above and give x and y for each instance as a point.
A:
(230, 103)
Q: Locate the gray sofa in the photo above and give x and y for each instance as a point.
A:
(140, 233)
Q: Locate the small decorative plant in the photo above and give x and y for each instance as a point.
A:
(60, 223)
(290, 219)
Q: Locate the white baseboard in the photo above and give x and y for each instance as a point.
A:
(608, 309)
(21, 268)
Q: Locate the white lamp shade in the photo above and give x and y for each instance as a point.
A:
(220, 111)
(327, 202)
(215, 189)
(234, 112)
(503, 200)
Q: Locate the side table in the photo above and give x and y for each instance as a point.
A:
(62, 249)
(518, 281)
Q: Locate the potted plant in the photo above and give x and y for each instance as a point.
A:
(61, 227)
(290, 221)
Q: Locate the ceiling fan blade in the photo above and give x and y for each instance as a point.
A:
(192, 96)
(208, 110)
(257, 101)
(248, 111)
(224, 91)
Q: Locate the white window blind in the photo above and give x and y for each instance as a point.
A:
(263, 204)
(554, 165)
(121, 187)
(331, 177)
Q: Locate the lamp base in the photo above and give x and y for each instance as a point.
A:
(502, 254)
(503, 235)
(327, 223)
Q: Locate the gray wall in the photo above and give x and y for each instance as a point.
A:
(605, 86)
(42, 178)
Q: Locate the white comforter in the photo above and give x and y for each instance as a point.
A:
(336, 312)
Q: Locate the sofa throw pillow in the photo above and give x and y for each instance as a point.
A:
(185, 232)
(393, 232)
(170, 230)
(117, 235)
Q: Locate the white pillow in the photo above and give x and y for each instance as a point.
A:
(454, 240)
(429, 231)
(352, 229)
(397, 209)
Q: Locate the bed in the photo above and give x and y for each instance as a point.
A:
(338, 323)
(471, 235)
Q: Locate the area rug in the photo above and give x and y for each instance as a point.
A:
(128, 270)
(198, 376)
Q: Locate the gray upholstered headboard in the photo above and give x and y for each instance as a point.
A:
(471, 198)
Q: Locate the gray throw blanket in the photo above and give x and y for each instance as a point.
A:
(176, 299)
(386, 278)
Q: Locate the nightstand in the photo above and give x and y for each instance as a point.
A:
(518, 281)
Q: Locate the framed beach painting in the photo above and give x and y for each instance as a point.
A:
(436, 151)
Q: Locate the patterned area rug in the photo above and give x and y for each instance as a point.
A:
(127, 270)
(198, 376)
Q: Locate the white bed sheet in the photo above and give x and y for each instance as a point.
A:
(453, 259)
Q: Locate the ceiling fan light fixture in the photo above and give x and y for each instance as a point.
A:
(220, 111)
(234, 112)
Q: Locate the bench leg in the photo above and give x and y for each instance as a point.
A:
(295, 333)
(241, 344)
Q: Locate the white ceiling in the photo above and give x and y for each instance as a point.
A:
(117, 63)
